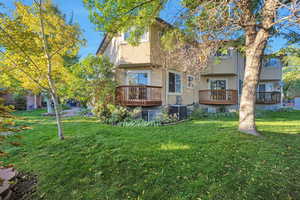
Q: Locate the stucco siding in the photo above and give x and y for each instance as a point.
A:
(134, 54)
(222, 65)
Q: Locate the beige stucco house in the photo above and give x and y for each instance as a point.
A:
(144, 81)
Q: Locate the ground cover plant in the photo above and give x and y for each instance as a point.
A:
(198, 159)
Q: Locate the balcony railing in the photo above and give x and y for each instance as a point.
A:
(139, 95)
(220, 97)
(268, 97)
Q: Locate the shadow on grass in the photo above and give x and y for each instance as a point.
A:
(207, 159)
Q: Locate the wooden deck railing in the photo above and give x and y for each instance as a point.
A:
(139, 95)
(268, 97)
(220, 97)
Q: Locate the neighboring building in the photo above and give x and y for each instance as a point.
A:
(20, 102)
(144, 82)
(33, 101)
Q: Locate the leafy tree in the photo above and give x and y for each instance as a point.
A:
(291, 71)
(33, 44)
(93, 81)
(212, 23)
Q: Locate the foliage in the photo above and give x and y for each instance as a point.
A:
(93, 83)
(110, 113)
(23, 58)
(198, 113)
(34, 42)
(6, 125)
(165, 117)
(201, 28)
(138, 123)
(6, 122)
(207, 159)
(20, 101)
(291, 71)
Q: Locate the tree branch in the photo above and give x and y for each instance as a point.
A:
(22, 50)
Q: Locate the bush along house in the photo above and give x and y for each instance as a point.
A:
(144, 82)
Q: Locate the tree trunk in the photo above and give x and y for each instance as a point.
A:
(57, 116)
(51, 83)
(254, 54)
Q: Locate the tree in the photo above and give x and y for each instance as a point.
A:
(212, 23)
(291, 71)
(93, 81)
(33, 43)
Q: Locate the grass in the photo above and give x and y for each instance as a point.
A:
(205, 159)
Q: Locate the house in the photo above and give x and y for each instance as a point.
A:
(145, 82)
(21, 102)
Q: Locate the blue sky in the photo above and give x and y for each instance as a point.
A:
(80, 15)
(93, 37)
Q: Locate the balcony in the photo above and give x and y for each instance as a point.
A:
(139, 95)
(218, 97)
(268, 97)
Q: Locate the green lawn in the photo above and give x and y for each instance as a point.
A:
(205, 159)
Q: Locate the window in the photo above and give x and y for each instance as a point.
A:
(261, 88)
(218, 85)
(190, 81)
(138, 78)
(174, 82)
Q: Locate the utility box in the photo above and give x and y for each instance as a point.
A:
(179, 110)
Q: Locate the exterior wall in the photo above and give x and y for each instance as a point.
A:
(188, 95)
(156, 76)
(223, 64)
(230, 81)
(8, 99)
(156, 50)
(134, 54)
(113, 50)
(148, 55)
(120, 52)
(33, 102)
(271, 73)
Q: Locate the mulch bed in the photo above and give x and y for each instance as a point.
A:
(21, 186)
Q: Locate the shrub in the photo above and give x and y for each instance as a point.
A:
(166, 118)
(284, 110)
(198, 113)
(138, 123)
(136, 113)
(20, 102)
(110, 113)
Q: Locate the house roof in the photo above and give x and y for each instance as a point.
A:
(108, 37)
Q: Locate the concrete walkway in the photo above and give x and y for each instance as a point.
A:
(74, 111)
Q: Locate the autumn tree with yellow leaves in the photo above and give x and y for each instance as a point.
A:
(33, 43)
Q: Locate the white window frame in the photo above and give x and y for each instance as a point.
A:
(181, 81)
(187, 80)
(139, 71)
(217, 79)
